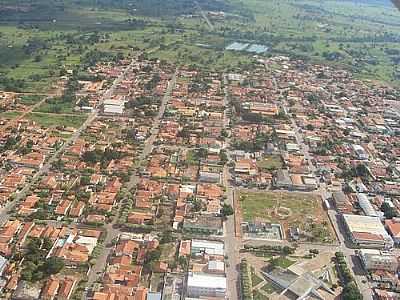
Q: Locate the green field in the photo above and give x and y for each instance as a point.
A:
(9, 115)
(54, 120)
(270, 162)
(282, 262)
(30, 99)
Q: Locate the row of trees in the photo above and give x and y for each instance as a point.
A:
(350, 290)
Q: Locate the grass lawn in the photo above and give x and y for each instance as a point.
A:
(29, 99)
(191, 158)
(290, 209)
(53, 120)
(269, 288)
(270, 162)
(282, 262)
(258, 296)
(168, 252)
(254, 278)
(10, 114)
(56, 106)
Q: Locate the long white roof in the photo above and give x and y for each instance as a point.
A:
(206, 281)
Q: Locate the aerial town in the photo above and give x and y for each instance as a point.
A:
(281, 182)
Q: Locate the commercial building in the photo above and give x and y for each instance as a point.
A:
(207, 247)
(378, 260)
(200, 285)
(341, 202)
(367, 232)
(282, 179)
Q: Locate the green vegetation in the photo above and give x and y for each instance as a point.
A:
(10, 115)
(258, 296)
(41, 39)
(268, 250)
(269, 288)
(29, 99)
(281, 261)
(35, 266)
(270, 162)
(254, 278)
(246, 282)
(350, 290)
(54, 120)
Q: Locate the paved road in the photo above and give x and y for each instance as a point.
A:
(232, 242)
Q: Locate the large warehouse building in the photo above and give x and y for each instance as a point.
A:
(367, 232)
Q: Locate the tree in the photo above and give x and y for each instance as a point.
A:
(52, 265)
(227, 210)
(389, 211)
(183, 262)
(310, 127)
(351, 292)
(166, 237)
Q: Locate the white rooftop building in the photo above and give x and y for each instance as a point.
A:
(207, 247)
(114, 107)
(200, 285)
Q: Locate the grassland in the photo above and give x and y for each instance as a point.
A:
(29, 100)
(55, 120)
(271, 162)
(302, 210)
(9, 115)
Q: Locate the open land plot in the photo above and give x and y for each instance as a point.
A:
(290, 209)
(56, 106)
(10, 115)
(270, 162)
(54, 120)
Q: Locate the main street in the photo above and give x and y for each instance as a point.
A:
(232, 241)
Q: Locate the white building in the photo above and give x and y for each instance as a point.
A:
(378, 260)
(360, 152)
(114, 107)
(200, 285)
(207, 247)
